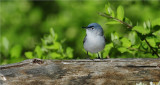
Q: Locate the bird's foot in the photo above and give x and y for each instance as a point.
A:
(89, 58)
(99, 58)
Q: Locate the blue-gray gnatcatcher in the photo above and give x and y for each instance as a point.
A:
(94, 41)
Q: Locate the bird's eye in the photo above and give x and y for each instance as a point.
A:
(92, 28)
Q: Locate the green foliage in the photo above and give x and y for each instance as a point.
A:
(24, 23)
(50, 49)
(120, 13)
(156, 22)
(5, 43)
(125, 42)
(112, 22)
(114, 36)
(128, 21)
(38, 51)
(29, 55)
(115, 40)
(109, 10)
(122, 49)
(151, 41)
(107, 49)
(133, 37)
(157, 35)
(141, 39)
(141, 30)
(16, 51)
(69, 52)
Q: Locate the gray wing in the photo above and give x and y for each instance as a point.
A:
(84, 39)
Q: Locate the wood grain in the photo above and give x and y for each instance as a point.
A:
(81, 72)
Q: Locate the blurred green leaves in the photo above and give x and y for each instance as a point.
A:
(128, 21)
(29, 55)
(5, 43)
(156, 22)
(109, 10)
(16, 51)
(38, 51)
(69, 52)
(157, 35)
(151, 41)
(112, 22)
(120, 13)
(115, 39)
(140, 38)
(122, 49)
(114, 36)
(25, 26)
(141, 30)
(50, 49)
(145, 29)
(133, 37)
(125, 42)
(107, 49)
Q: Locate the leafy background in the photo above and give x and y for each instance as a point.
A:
(52, 29)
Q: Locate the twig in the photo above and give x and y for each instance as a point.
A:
(129, 26)
(154, 52)
(108, 16)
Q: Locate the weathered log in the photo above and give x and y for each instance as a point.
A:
(81, 72)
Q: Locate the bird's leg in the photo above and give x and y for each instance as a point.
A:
(101, 56)
(88, 55)
(98, 56)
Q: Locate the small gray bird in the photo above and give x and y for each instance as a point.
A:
(94, 41)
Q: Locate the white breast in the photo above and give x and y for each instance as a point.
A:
(94, 43)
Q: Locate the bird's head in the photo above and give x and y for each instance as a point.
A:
(94, 29)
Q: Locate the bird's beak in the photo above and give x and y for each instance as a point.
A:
(84, 27)
(87, 27)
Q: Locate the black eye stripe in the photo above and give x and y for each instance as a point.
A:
(90, 26)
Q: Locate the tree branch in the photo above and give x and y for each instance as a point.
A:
(154, 52)
(108, 16)
(128, 26)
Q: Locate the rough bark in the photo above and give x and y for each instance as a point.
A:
(81, 72)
